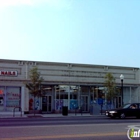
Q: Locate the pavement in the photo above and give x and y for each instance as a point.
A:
(18, 115)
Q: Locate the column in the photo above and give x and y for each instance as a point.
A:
(59, 98)
(68, 97)
(4, 98)
(22, 98)
(26, 101)
(137, 94)
(89, 99)
(55, 98)
(79, 103)
(97, 88)
(93, 95)
(130, 94)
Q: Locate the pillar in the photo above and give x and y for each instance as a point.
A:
(22, 98)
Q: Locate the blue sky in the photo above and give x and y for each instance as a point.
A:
(103, 32)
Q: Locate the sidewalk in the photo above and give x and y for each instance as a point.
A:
(18, 115)
(70, 115)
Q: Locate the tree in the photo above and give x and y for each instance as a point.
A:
(34, 86)
(110, 87)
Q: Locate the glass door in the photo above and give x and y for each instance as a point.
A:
(84, 103)
(46, 104)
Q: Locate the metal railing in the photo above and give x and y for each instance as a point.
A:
(15, 109)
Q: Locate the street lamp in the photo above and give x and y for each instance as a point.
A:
(122, 77)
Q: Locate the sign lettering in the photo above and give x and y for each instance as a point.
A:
(8, 73)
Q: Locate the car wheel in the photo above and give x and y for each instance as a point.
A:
(122, 115)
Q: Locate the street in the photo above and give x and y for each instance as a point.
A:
(65, 128)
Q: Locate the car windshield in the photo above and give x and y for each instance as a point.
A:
(125, 106)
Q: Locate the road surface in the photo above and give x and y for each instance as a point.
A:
(65, 128)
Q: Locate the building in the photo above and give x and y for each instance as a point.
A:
(65, 84)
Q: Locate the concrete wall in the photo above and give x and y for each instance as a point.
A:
(126, 95)
(70, 73)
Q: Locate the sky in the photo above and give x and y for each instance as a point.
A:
(101, 32)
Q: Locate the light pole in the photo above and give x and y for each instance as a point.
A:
(122, 77)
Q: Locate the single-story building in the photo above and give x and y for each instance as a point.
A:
(65, 84)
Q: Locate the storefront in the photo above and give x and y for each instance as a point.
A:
(74, 97)
(73, 85)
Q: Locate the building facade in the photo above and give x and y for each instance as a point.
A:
(72, 85)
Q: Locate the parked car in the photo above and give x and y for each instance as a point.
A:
(127, 110)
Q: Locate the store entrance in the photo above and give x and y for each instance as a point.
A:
(84, 103)
(46, 104)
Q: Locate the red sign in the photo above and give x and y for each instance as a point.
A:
(8, 73)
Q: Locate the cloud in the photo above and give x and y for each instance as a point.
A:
(52, 3)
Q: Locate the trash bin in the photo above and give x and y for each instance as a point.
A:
(65, 110)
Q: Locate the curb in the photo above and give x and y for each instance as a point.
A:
(49, 116)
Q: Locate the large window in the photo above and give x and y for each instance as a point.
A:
(97, 95)
(61, 97)
(10, 97)
(66, 95)
(74, 90)
(2, 90)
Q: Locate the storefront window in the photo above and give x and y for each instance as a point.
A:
(74, 97)
(13, 98)
(66, 96)
(37, 104)
(97, 95)
(10, 97)
(61, 92)
(84, 98)
(2, 89)
(84, 90)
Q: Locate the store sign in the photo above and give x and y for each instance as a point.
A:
(8, 73)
